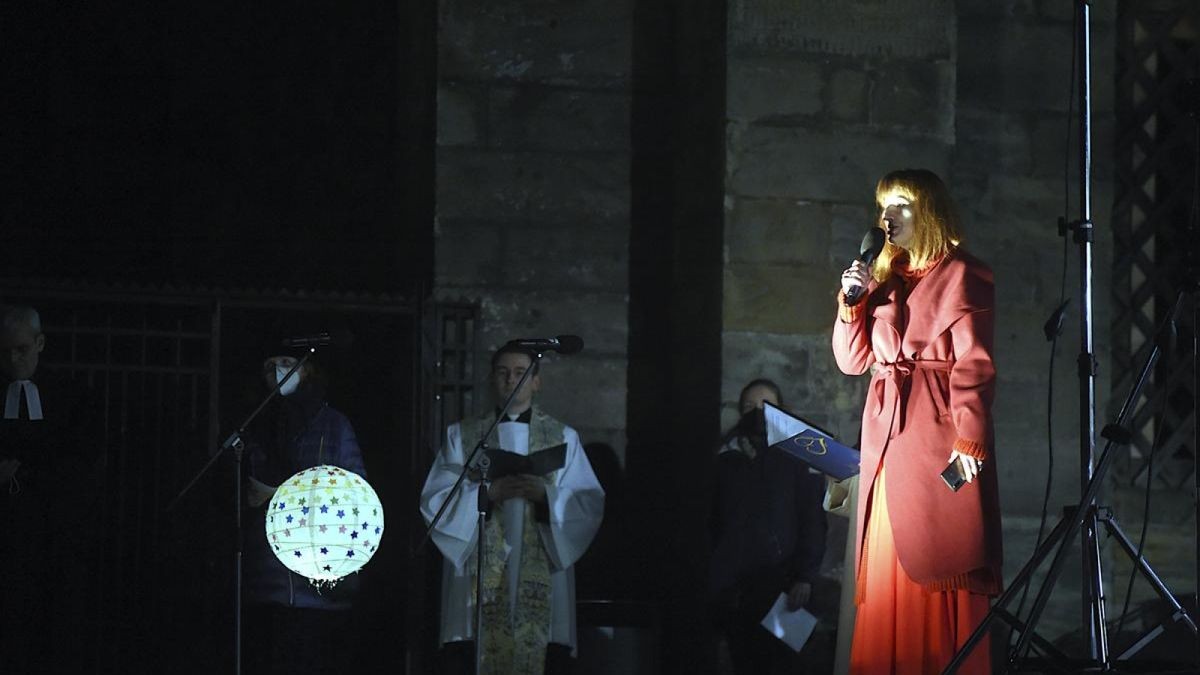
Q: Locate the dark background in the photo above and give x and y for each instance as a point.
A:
(263, 144)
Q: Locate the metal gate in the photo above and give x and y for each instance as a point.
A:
(172, 372)
(1158, 61)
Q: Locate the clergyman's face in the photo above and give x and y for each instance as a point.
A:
(507, 373)
(20, 348)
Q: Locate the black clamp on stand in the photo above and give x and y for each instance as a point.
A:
(478, 463)
(235, 443)
(1084, 231)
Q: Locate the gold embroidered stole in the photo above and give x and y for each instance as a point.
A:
(515, 642)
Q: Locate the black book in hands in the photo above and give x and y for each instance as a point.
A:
(504, 463)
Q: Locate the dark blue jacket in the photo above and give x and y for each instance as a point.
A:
(768, 527)
(294, 433)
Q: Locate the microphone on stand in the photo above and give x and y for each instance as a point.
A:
(338, 338)
(868, 251)
(563, 344)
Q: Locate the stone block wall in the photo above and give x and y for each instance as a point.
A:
(823, 98)
(533, 146)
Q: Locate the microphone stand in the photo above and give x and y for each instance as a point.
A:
(236, 444)
(479, 462)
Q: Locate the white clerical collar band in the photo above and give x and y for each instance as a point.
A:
(12, 400)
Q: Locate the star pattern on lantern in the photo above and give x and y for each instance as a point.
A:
(311, 537)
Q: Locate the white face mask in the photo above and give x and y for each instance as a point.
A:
(288, 387)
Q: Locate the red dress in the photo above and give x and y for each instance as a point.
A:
(928, 557)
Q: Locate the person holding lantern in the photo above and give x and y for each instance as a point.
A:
(290, 625)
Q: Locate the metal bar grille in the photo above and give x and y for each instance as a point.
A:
(153, 362)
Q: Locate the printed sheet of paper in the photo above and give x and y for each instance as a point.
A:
(794, 628)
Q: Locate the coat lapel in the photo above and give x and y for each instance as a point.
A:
(950, 291)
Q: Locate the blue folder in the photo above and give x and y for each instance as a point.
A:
(809, 444)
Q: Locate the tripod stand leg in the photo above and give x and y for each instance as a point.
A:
(1095, 621)
(1074, 522)
(998, 608)
(1178, 612)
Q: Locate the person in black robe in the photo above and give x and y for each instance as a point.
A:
(46, 510)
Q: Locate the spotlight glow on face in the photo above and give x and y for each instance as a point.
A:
(324, 523)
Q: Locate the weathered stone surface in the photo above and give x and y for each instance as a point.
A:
(1014, 66)
(854, 27)
(759, 88)
(1101, 12)
(990, 142)
(539, 185)
(915, 95)
(803, 163)
(585, 43)
(546, 118)
(777, 231)
(779, 298)
(587, 391)
(601, 319)
(567, 256)
(461, 111)
(1017, 208)
(848, 89)
(468, 253)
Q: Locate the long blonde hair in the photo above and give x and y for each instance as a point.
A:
(937, 228)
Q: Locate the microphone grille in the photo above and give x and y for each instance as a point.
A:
(872, 245)
(569, 344)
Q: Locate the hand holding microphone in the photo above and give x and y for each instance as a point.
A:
(858, 275)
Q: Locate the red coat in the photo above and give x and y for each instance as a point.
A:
(931, 392)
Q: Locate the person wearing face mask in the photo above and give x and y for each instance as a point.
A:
(290, 626)
(928, 556)
(768, 533)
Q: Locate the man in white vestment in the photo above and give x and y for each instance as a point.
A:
(537, 527)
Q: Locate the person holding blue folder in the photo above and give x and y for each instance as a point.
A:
(928, 547)
(768, 534)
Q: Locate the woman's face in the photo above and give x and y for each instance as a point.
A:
(896, 219)
(755, 396)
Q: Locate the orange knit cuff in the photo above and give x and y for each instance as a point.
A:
(971, 449)
(849, 313)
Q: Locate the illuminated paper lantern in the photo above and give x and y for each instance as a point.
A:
(324, 523)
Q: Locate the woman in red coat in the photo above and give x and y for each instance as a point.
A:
(928, 556)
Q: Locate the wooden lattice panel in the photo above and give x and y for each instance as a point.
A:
(1158, 53)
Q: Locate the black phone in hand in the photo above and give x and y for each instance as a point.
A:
(953, 475)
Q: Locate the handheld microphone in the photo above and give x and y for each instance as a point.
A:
(868, 251)
(563, 344)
